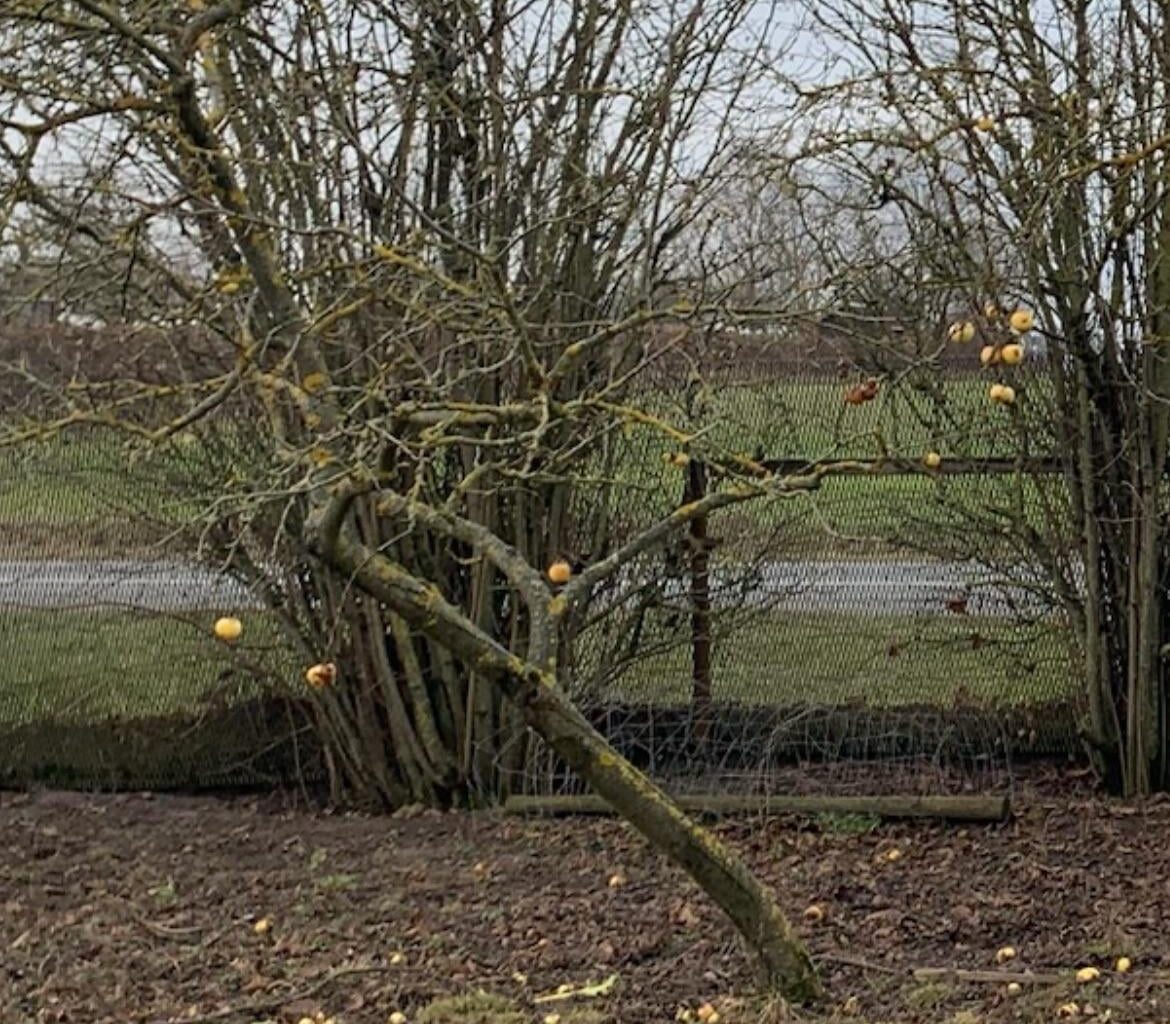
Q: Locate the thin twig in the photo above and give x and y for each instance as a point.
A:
(163, 931)
(856, 961)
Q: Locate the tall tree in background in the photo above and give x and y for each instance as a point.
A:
(1020, 152)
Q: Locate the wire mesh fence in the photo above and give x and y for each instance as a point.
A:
(887, 630)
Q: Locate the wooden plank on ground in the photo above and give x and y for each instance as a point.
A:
(952, 808)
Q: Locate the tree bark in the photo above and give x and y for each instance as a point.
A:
(784, 963)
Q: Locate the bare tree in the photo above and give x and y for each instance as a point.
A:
(429, 251)
(1021, 148)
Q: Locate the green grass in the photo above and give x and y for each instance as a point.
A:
(87, 666)
(70, 479)
(486, 1008)
(858, 515)
(91, 666)
(83, 494)
(809, 418)
(88, 493)
(834, 659)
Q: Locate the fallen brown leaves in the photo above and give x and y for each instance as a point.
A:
(133, 910)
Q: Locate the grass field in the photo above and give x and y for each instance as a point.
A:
(92, 665)
(84, 495)
(879, 660)
(89, 496)
(81, 495)
(810, 418)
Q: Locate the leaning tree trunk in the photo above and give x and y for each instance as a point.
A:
(784, 963)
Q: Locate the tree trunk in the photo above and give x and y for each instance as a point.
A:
(785, 965)
(700, 594)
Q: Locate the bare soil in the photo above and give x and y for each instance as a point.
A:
(138, 908)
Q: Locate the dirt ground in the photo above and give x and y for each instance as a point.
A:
(145, 909)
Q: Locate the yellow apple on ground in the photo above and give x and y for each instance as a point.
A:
(814, 914)
(932, 460)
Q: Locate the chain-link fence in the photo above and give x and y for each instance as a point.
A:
(889, 628)
(896, 627)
